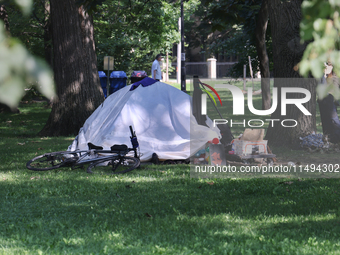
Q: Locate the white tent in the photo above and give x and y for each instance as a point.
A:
(161, 116)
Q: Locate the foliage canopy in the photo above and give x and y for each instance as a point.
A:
(321, 26)
(20, 69)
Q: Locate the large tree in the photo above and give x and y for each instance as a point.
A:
(19, 68)
(75, 69)
(321, 26)
(252, 16)
(134, 31)
(261, 48)
(285, 17)
(33, 30)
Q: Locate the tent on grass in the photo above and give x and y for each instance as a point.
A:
(161, 116)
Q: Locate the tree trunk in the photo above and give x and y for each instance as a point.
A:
(48, 35)
(260, 40)
(285, 17)
(75, 72)
(89, 49)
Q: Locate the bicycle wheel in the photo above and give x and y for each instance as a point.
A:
(52, 160)
(116, 165)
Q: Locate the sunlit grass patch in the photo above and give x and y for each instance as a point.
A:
(157, 209)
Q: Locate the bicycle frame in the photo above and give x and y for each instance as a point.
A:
(95, 156)
(110, 153)
(88, 153)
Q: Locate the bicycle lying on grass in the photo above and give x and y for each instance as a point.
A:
(95, 156)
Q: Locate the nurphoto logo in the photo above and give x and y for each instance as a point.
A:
(238, 105)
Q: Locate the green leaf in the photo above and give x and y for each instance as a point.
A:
(317, 67)
(322, 91)
(306, 30)
(25, 6)
(304, 67)
(11, 91)
(19, 70)
(44, 78)
(319, 24)
(334, 3)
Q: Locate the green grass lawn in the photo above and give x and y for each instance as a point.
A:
(155, 209)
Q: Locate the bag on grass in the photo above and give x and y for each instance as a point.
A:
(227, 136)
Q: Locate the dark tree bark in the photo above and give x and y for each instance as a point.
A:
(48, 35)
(75, 72)
(285, 17)
(89, 49)
(261, 48)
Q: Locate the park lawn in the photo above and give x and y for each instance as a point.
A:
(155, 209)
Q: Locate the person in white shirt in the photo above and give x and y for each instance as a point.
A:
(156, 71)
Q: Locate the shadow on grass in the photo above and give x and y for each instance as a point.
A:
(27, 123)
(165, 211)
(156, 210)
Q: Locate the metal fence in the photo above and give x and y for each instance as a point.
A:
(223, 69)
(201, 69)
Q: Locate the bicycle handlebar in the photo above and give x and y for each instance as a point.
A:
(134, 141)
(132, 133)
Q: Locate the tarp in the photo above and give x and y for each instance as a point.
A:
(161, 116)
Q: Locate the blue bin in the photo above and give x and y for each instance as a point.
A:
(103, 82)
(117, 81)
